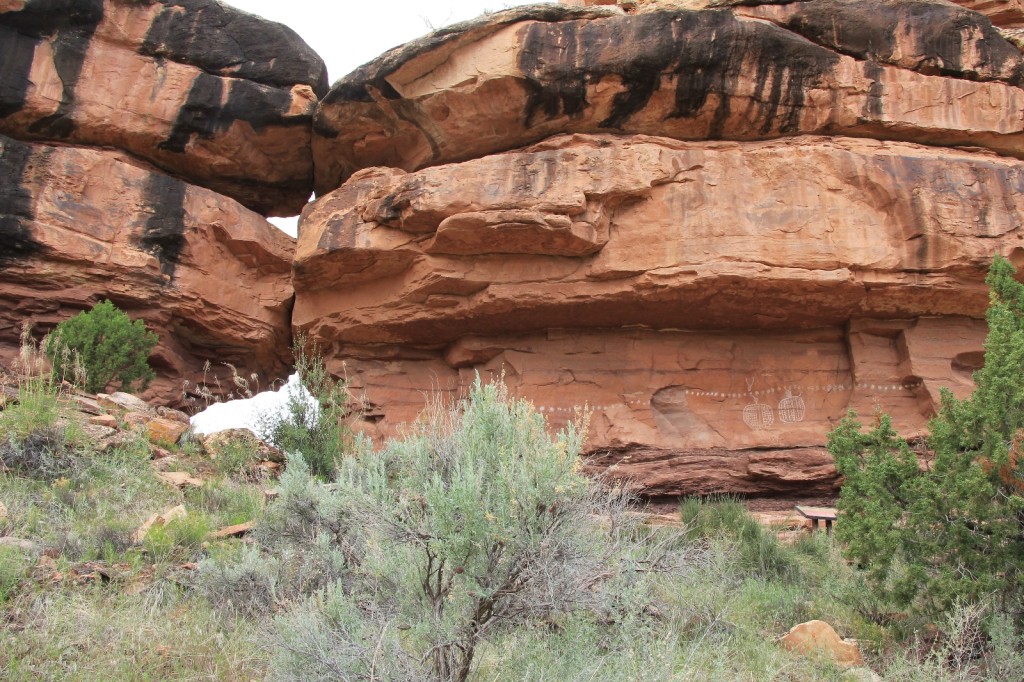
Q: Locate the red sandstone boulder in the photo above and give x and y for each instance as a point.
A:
(201, 90)
(927, 72)
(817, 638)
(208, 275)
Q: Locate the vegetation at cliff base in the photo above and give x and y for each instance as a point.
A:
(106, 344)
(952, 531)
(314, 421)
(471, 548)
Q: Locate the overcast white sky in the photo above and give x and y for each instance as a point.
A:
(346, 35)
(349, 34)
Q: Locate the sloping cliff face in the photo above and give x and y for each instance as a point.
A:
(132, 137)
(718, 228)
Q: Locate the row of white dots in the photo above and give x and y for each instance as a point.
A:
(828, 388)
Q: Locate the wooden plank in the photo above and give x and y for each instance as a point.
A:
(817, 513)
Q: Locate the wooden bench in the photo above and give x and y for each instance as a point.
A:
(817, 515)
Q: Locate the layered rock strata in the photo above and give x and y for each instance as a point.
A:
(1007, 13)
(520, 76)
(602, 231)
(211, 277)
(717, 229)
(205, 92)
(630, 274)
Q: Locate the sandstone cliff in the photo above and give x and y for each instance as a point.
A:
(131, 129)
(205, 92)
(208, 275)
(720, 228)
(824, 66)
(717, 224)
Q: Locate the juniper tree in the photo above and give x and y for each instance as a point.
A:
(953, 530)
(108, 344)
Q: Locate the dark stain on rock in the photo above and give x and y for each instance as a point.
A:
(69, 49)
(16, 210)
(873, 106)
(69, 26)
(208, 111)
(164, 232)
(229, 42)
(564, 92)
(937, 35)
(39, 18)
(17, 52)
(704, 52)
(359, 86)
(388, 212)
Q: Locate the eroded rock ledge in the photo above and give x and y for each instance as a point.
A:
(719, 305)
(211, 277)
(928, 72)
(605, 231)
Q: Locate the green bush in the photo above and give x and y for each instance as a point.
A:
(39, 406)
(955, 531)
(314, 420)
(417, 557)
(758, 553)
(180, 539)
(108, 345)
(14, 568)
(43, 454)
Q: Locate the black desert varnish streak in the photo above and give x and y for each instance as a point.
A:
(235, 80)
(69, 25)
(16, 54)
(207, 115)
(224, 41)
(163, 235)
(363, 84)
(16, 242)
(697, 53)
(927, 37)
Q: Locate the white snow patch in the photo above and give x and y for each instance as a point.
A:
(245, 414)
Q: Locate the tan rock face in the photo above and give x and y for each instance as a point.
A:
(206, 92)
(926, 72)
(1008, 13)
(165, 432)
(591, 232)
(685, 412)
(718, 305)
(208, 275)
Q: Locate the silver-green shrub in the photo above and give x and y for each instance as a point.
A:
(477, 523)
